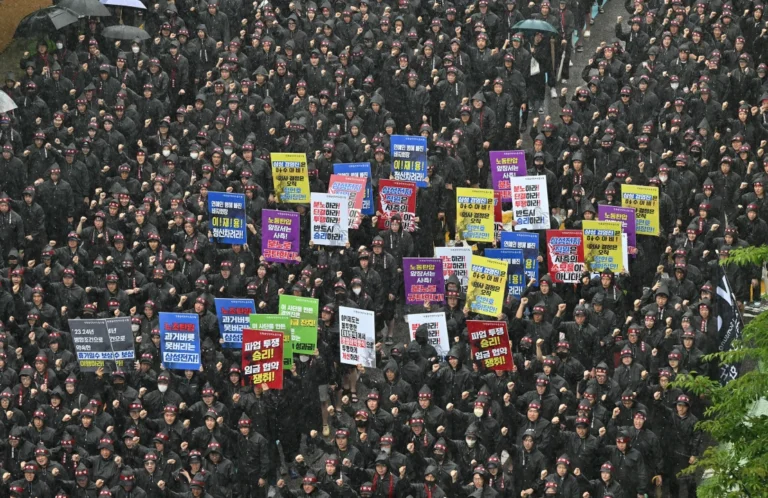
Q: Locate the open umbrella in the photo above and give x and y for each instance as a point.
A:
(45, 20)
(6, 102)
(135, 4)
(534, 25)
(86, 8)
(125, 32)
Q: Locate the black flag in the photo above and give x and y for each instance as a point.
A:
(730, 324)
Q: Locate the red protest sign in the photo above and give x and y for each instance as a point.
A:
(263, 357)
(489, 342)
(397, 197)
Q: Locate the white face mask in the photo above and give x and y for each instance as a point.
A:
(59, 45)
(228, 152)
(663, 178)
(135, 50)
(194, 155)
(470, 442)
(135, 328)
(674, 86)
(166, 153)
(303, 358)
(479, 412)
(162, 387)
(357, 290)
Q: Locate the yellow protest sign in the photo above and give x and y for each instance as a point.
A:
(487, 280)
(603, 248)
(645, 200)
(474, 214)
(290, 176)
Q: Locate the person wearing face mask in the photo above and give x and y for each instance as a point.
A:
(581, 337)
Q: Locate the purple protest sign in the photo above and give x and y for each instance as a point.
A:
(625, 216)
(281, 236)
(504, 164)
(423, 280)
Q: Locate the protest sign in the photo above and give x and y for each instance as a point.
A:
(227, 217)
(489, 343)
(529, 244)
(330, 219)
(645, 200)
(474, 214)
(530, 202)
(180, 341)
(354, 190)
(437, 330)
(602, 245)
(565, 252)
(504, 165)
(280, 236)
(625, 216)
(487, 278)
(423, 280)
(303, 312)
(233, 318)
(455, 262)
(396, 197)
(121, 340)
(262, 357)
(92, 343)
(409, 158)
(276, 323)
(357, 337)
(502, 220)
(359, 170)
(515, 258)
(290, 176)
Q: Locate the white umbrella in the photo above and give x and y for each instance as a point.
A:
(6, 102)
(135, 4)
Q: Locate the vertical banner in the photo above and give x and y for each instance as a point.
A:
(233, 315)
(437, 330)
(330, 219)
(303, 312)
(456, 261)
(565, 252)
(504, 165)
(602, 246)
(529, 244)
(423, 280)
(354, 190)
(359, 170)
(730, 324)
(489, 343)
(530, 203)
(290, 176)
(263, 357)
(625, 216)
(474, 214)
(280, 236)
(92, 343)
(121, 341)
(409, 158)
(396, 197)
(357, 337)
(487, 278)
(516, 260)
(645, 200)
(227, 217)
(502, 220)
(276, 323)
(180, 341)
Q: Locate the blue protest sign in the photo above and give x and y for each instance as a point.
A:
(359, 170)
(529, 244)
(516, 272)
(234, 316)
(180, 341)
(409, 159)
(227, 217)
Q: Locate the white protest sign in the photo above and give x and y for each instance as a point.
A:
(437, 335)
(530, 204)
(357, 337)
(330, 219)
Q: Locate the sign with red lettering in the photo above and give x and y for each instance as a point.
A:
(530, 203)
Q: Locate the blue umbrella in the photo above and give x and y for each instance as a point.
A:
(534, 25)
(135, 4)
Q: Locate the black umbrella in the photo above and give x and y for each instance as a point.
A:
(45, 20)
(86, 8)
(125, 32)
